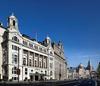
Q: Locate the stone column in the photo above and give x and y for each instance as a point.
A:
(43, 62)
(38, 60)
(33, 59)
(27, 58)
(46, 62)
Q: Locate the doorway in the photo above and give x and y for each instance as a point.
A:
(36, 77)
(31, 77)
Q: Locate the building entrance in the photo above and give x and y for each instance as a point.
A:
(36, 77)
(31, 77)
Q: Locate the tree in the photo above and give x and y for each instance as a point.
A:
(98, 70)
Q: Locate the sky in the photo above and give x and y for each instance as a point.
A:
(75, 22)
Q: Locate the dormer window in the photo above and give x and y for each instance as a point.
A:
(25, 43)
(15, 39)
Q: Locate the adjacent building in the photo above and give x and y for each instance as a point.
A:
(24, 58)
(72, 73)
(59, 62)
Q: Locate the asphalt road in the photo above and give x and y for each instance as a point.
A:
(85, 82)
(80, 83)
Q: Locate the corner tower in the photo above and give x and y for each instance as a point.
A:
(12, 23)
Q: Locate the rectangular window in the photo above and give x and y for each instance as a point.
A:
(25, 52)
(30, 45)
(13, 22)
(24, 61)
(44, 65)
(14, 70)
(51, 65)
(14, 47)
(35, 63)
(25, 43)
(45, 72)
(15, 78)
(29, 62)
(50, 73)
(26, 71)
(36, 47)
(40, 49)
(14, 59)
(40, 63)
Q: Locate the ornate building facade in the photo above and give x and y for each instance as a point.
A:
(23, 58)
(59, 62)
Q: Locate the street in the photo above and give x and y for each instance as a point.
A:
(80, 83)
(83, 82)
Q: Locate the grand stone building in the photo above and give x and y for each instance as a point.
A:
(59, 62)
(24, 58)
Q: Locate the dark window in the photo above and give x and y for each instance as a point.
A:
(29, 62)
(13, 22)
(45, 72)
(14, 70)
(25, 52)
(50, 73)
(40, 63)
(24, 61)
(26, 71)
(50, 52)
(14, 59)
(25, 43)
(35, 63)
(30, 45)
(15, 39)
(14, 47)
(15, 78)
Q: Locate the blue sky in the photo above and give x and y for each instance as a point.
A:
(75, 22)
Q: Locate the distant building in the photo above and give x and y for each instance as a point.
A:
(23, 58)
(80, 71)
(72, 73)
(84, 72)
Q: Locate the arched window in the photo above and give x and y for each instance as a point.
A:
(15, 39)
(13, 22)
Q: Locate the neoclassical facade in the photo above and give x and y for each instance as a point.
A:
(23, 58)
